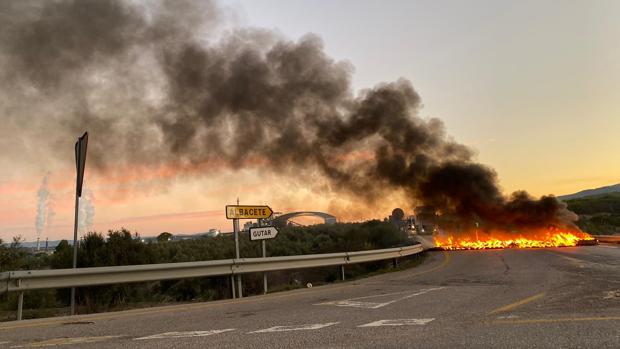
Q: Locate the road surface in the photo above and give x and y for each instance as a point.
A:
(539, 298)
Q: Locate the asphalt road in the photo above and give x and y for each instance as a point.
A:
(541, 298)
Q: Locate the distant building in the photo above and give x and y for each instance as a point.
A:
(248, 225)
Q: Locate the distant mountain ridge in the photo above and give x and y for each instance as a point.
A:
(592, 192)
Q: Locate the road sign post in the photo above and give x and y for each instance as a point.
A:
(264, 273)
(263, 234)
(237, 212)
(264, 247)
(80, 165)
(237, 255)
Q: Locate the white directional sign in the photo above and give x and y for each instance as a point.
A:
(263, 233)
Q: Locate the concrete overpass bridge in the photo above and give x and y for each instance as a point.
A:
(283, 220)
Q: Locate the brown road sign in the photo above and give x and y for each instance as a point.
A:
(247, 212)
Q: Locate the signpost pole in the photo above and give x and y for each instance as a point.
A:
(264, 273)
(236, 231)
(232, 276)
(75, 229)
(264, 246)
(80, 165)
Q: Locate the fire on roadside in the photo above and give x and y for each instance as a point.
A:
(497, 239)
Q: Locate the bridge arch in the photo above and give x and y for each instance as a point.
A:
(282, 220)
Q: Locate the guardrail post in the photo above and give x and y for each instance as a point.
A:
(72, 300)
(395, 262)
(342, 272)
(239, 291)
(232, 284)
(20, 305)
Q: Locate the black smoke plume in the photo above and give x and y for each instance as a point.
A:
(171, 82)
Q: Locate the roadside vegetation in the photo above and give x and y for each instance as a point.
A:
(121, 247)
(599, 215)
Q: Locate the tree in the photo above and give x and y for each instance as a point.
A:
(4, 255)
(12, 258)
(62, 245)
(163, 237)
(63, 256)
(17, 242)
(91, 251)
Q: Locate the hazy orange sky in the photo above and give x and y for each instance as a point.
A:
(532, 86)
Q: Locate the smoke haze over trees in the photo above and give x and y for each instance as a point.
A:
(170, 83)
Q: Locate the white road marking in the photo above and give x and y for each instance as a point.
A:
(398, 322)
(65, 341)
(609, 246)
(356, 303)
(295, 328)
(508, 316)
(186, 334)
(612, 294)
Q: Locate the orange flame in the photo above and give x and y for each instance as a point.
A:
(535, 239)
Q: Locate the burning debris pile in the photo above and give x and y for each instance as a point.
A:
(530, 239)
(170, 84)
(452, 233)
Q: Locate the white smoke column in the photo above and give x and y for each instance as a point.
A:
(43, 195)
(50, 213)
(87, 212)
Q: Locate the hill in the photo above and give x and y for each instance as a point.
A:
(592, 192)
(598, 214)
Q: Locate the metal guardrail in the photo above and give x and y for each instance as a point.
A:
(608, 238)
(24, 280)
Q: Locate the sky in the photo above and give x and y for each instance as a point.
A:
(533, 87)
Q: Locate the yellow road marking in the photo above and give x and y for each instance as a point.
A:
(571, 319)
(516, 304)
(181, 308)
(446, 260)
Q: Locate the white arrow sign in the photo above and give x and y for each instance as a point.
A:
(263, 233)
